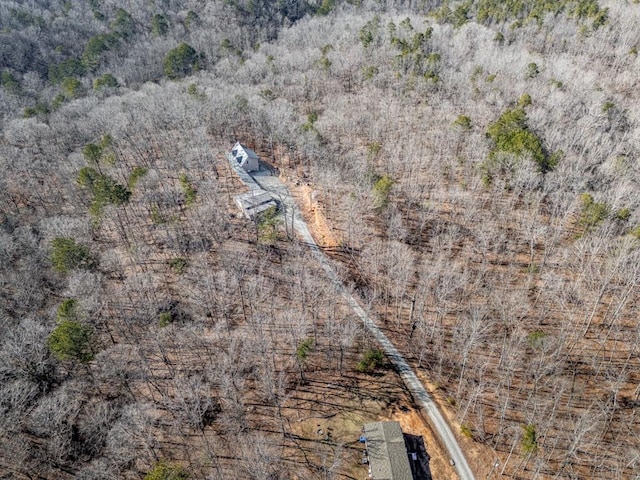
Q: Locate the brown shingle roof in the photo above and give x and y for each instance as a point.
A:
(388, 458)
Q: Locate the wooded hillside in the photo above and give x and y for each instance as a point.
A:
(474, 171)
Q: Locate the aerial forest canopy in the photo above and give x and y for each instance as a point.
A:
(472, 168)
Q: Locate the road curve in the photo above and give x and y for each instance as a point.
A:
(420, 395)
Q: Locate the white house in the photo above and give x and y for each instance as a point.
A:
(245, 158)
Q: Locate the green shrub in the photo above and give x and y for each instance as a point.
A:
(477, 71)
(311, 120)
(191, 19)
(104, 189)
(166, 471)
(593, 213)
(26, 18)
(374, 149)
(623, 214)
(369, 72)
(71, 340)
(529, 438)
(553, 160)
(511, 135)
(524, 100)
(303, 350)
(461, 14)
(164, 319)
(69, 255)
(324, 63)
(67, 311)
(123, 24)
(136, 174)
(371, 359)
(159, 25)
(72, 87)
(156, 217)
(72, 67)
(231, 48)
(325, 7)
(92, 153)
(382, 190)
(533, 268)
(590, 9)
(192, 90)
(178, 264)
(466, 430)
(556, 83)
(267, 94)
(600, 18)
(107, 80)
(181, 61)
(95, 153)
(57, 101)
(443, 14)
(326, 49)
(366, 36)
(536, 338)
(10, 83)
(267, 225)
(532, 70)
(519, 13)
(414, 57)
(463, 121)
(95, 9)
(188, 189)
(500, 11)
(97, 45)
(312, 117)
(38, 109)
(606, 106)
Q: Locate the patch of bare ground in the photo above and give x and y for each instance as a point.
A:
(515, 315)
(325, 421)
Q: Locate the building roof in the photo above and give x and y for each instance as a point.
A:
(388, 459)
(242, 153)
(241, 156)
(254, 202)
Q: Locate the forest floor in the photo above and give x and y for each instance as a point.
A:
(296, 195)
(480, 457)
(327, 416)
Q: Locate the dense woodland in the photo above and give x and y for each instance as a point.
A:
(476, 164)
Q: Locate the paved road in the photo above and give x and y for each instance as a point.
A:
(420, 395)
